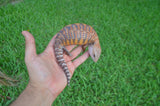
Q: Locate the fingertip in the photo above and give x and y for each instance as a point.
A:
(25, 33)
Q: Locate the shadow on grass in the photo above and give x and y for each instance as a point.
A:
(5, 2)
(7, 81)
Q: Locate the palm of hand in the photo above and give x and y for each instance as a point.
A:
(44, 72)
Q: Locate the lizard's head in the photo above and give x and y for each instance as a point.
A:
(95, 51)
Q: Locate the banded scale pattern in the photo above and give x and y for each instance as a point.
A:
(73, 34)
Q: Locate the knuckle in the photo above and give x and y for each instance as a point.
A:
(32, 41)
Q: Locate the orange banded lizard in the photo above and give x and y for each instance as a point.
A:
(76, 34)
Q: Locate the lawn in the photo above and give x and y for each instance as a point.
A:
(128, 71)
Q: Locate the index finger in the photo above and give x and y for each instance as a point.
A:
(81, 59)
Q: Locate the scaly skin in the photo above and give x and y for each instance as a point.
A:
(76, 34)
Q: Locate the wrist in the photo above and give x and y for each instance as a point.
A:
(34, 96)
(42, 94)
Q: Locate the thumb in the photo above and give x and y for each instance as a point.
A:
(30, 50)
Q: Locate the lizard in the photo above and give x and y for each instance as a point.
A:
(76, 34)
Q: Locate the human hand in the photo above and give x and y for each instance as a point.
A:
(44, 72)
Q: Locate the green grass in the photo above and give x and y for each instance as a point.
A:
(128, 72)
